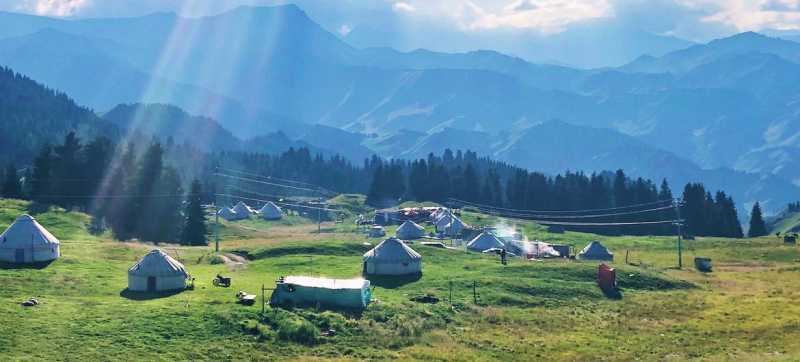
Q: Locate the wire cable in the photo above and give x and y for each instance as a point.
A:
(475, 204)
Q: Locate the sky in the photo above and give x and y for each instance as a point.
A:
(696, 20)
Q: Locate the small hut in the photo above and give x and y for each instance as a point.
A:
(157, 272)
(338, 293)
(26, 241)
(392, 257)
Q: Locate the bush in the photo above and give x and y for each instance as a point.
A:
(216, 260)
(299, 331)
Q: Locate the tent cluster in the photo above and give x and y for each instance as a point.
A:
(241, 211)
(27, 242)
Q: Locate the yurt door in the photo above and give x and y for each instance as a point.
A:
(151, 284)
(19, 256)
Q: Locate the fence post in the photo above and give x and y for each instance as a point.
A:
(263, 305)
(475, 292)
(450, 283)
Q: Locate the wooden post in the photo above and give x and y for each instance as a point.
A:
(263, 304)
(626, 256)
(450, 283)
(475, 292)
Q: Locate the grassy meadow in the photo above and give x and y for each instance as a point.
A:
(528, 310)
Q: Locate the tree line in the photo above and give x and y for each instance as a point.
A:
(466, 177)
(139, 192)
(132, 191)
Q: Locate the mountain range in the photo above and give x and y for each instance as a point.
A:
(724, 112)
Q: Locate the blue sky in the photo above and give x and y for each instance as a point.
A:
(697, 20)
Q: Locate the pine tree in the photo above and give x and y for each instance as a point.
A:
(12, 189)
(41, 175)
(194, 227)
(757, 225)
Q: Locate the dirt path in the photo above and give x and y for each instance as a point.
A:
(233, 261)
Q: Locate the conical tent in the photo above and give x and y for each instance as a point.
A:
(26, 241)
(392, 257)
(157, 272)
(450, 225)
(596, 251)
(410, 230)
(270, 211)
(485, 241)
(227, 214)
(242, 210)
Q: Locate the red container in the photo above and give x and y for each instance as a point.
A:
(606, 277)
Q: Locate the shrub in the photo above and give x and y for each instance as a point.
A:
(297, 330)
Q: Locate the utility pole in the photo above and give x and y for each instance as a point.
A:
(678, 225)
(216, 216)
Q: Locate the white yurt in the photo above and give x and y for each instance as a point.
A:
(485, 241)
(436, 214)
(410, 230)
(341, 293)
(270, 211)
(392, 257)
(450, 225)
(227, 214)
(157, 272)
(242, 210)
(26, 241)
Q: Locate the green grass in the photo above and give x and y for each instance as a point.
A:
(551, 310)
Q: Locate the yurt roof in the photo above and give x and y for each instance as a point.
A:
(409, 224)
(485, 241)
(158, 263)
(392, 249)
(28, 232)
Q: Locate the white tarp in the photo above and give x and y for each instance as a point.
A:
(377, 231)
(392, 257)
(157, 272)
(450, 225)
(410, 230)
(26, 241)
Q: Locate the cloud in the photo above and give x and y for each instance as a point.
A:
(53, 7)
(403, 7)
(780, 5)
(344, 29)
(523, 5)
(546, 16)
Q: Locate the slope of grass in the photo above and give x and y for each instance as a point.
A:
(527, 310)
(785, 223)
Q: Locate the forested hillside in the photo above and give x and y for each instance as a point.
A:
(32, 115)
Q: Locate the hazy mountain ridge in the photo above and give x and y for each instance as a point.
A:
(714, 104)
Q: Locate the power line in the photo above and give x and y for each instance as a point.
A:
(116, 196)
(562, 223)
(268, 183)
(276, 179)
(475, 204)
(669, 207)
